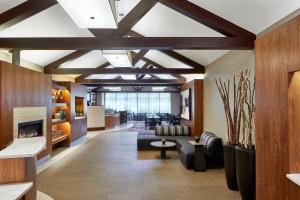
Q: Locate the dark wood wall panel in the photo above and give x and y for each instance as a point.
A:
(275, 56)
(196, 122)
(22, 87)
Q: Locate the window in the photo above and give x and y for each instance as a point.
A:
(139, 102)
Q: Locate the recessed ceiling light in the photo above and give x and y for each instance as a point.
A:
(91, 13)
(118, 58)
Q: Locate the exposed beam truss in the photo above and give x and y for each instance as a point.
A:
(129, 43)
(23, 11)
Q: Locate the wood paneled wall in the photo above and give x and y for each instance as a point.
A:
(22, 87)
(278, 144)
(196, 122)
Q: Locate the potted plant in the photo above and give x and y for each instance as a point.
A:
(233, 113)
(245, 153)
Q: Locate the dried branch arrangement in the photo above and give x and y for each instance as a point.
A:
(248, 115)
(235, 115)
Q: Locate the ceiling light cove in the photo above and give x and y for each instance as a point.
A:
(118, 58)
(91, 13)
(158, 88)
(128, 77)
(115, 89)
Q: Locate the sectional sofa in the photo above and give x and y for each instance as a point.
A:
(213, 148)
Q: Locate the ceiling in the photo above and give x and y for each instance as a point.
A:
(253, 15)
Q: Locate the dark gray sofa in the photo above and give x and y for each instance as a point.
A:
(213, 151)
(213, 148)
(144, 139)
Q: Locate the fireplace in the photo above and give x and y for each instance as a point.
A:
(32, 122)
(30, 129)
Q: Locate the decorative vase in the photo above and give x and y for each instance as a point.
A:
(163, 141)
(230, 166)
(245, 172)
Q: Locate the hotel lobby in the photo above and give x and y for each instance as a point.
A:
(149, 100)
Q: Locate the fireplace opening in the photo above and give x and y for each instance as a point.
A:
(30, 129)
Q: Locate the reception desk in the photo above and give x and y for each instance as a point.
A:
(112, 121)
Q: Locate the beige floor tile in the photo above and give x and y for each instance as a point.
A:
(109, 167)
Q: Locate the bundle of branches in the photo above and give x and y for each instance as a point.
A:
(248, 113)
(233, 115)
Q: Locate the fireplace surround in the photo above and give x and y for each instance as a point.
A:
(30, 121)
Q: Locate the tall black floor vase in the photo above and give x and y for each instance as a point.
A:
(229, 164)
(245, 172)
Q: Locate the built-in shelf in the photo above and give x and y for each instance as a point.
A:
(14, 191)
(59, 104)
(294, 177)
(55, 122)
(59, 139)
(83, 117)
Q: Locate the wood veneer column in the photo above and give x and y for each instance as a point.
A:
(275, 144)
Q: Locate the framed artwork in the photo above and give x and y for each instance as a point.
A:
(185, 97)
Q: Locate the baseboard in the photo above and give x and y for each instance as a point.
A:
(96, 129)
(43, 160)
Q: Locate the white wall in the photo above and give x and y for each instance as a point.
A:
(225, 67)
(95, 116)
(7, 58)
(175, 102)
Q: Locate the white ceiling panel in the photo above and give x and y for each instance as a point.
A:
(102, 76)
(90, 13)
(253, 15)
(165, 76)
(140, 64)
(124, 7)
(43, 57)
(52, 22)
(203, 57)
(162, 21)
(164, 60)
(9, 4)
(91, 60)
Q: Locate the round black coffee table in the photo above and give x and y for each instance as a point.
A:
(163, 148)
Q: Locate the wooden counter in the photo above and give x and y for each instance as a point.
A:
(111, 121)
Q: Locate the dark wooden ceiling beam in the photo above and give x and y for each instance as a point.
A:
(23, 11)
(123, 70)
(143, 75)
(173, 54)
(94, 82)
(207, 18)
(183, 59)
(133, 17)
(128, 43)
(163, 67)
(139, 56)
(83, 76)
(69, 57)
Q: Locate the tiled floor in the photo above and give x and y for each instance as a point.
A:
(109, 167)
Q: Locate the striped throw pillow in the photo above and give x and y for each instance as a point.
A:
(158, 130)
(165, 130)
(172, 131)
(178, 130)
(186, 131)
